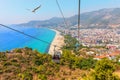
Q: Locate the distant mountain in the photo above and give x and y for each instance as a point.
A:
(104, 18)
(53, 22)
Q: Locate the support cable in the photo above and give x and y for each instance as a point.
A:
(79, 20)
(25, 34)
(60, 9)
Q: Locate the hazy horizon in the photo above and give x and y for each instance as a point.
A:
(15, 12)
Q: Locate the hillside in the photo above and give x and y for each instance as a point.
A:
(28, 64)
(104, 18)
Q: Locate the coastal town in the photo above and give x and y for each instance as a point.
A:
(107, 39)
(96, 37)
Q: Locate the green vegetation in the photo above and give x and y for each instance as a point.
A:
(28, 64)
(74, 61)
(103, 71)
(17, 50)
(31, 65)
(25, 64)
(70, 42)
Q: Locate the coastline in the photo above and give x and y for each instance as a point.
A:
(58, 41)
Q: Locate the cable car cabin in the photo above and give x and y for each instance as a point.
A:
(56, 57)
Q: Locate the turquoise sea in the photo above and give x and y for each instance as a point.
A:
(10, 39)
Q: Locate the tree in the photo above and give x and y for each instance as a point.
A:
(104, 70)
(84, 63)
(70, 42)
(67, 57)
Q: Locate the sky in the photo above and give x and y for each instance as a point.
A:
(16, 11)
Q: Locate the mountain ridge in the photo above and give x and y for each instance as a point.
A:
(103, 18)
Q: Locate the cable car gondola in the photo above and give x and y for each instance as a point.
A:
(57, 55)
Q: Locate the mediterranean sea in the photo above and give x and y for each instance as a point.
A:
(10, 39)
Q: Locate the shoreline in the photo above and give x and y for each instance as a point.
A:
(58, 41)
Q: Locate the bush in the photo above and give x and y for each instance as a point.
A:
(104, 70)
(27, 48)
(86, 63)
(3, 56)
(7, 70)
(7, 64)
(73, 61)
(14, 60)
(26, 76)
(38, 62)
(17, 50)
(1, 71)
(42, 77)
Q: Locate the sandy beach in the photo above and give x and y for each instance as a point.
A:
(58, 42)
